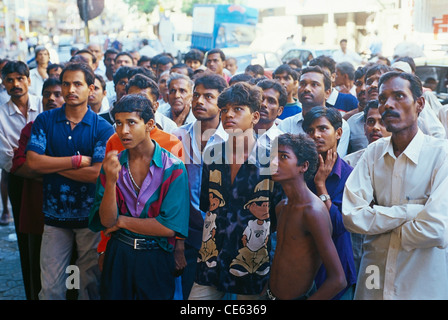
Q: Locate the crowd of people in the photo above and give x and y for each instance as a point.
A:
(180, 180)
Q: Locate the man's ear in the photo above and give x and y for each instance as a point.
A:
(150, 125)
(420, 104)
(279, 111)
(304, 167)
(327, 94)
(255, 117)
(339, 133)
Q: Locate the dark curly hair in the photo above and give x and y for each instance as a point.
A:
(134, 103)
(241, 94)
(304, 149)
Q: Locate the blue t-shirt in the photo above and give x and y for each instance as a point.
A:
(290, 109)
(345, 102)
(67, 202)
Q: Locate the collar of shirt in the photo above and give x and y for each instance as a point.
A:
(267, 137)
(87, 119)
(337, 168)
(219, 136)
(33, 103)
(298, 118)
(412, 151)
(156, 158)
(333, 97)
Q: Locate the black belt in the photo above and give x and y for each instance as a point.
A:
(271, 296)
(137, 244)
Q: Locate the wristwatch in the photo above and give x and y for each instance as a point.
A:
(324, 197)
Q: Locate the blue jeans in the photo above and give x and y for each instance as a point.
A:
(56, 252)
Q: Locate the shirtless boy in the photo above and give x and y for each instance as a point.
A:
(304, 228)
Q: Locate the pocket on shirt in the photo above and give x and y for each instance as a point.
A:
(421, 201)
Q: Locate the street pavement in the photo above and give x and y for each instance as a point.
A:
(11, 281)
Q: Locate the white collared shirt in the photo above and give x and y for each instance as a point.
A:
(36, 82)
(12, 121)
(266, 138)
(193, 155)
(407, 228)
(294, 125)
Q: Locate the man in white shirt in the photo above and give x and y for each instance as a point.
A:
(196, 137)
(18, 111)
(274, 100)
(14, 115)
(396, 195)
(343, 54)
(314, 89)
(180, 94)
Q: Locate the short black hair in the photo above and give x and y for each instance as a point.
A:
(277, 86)
(102, 82)
(241, 77)
(211, 81)
(195, 55)
(377, 68)
(164, 60)
(123, 53)
(52, 66)
(121, 73)
(16, 66)
(50, 82)
(216, 50)
(414, 82)
(88, 52)
(347, 68)
(110, 51)
(134, 103)
(142, 82)
(84, 68)
(304, 149)
(324, 62)
(286, 68)
(142, 70)
(318, 69)
(143, 59)
(330, 113)
(372, 104)
(256, 69)
(241, 94)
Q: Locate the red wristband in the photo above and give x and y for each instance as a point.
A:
(76, 161)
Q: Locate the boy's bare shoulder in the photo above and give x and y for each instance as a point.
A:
(315, 208)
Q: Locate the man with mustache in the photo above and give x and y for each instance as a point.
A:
(324, 126)
(396, 196)
(196, 137)
(374, 129)
(31, 217)
(67, 147)
(21, 108)
(364, 92)
(272, 106)
(180, 93)
(314, 89)
(215, 61)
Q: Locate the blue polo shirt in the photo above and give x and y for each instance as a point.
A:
(67, 202)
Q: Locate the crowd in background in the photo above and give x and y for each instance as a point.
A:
(56, 173)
